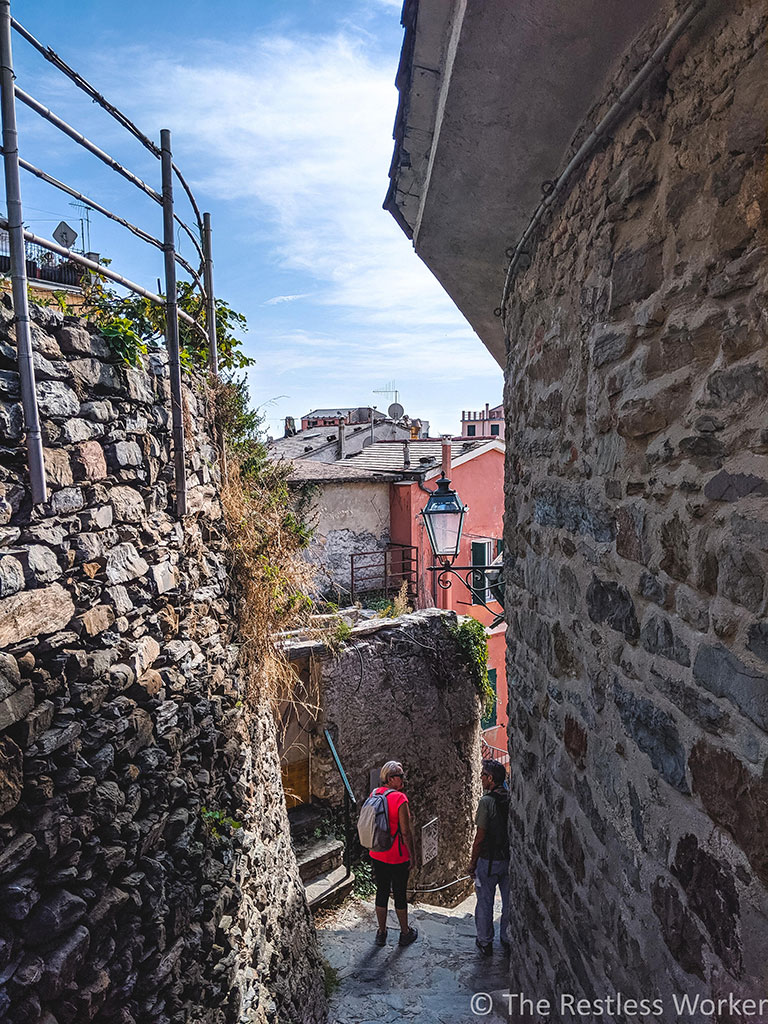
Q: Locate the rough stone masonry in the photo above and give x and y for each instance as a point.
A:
(126, 896)
(400, 689)
(637, 524)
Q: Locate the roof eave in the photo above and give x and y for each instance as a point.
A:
(466, 176)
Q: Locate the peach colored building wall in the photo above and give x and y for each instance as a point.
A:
(479, 484)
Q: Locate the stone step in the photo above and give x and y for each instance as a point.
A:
(329, 887)
(304, 819)
(318, 857)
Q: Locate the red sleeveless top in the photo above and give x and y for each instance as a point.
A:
(398, 852)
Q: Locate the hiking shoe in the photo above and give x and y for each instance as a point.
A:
(381, 938)
(486, 948)
(406, 938)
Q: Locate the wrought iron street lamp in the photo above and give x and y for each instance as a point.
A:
(444, 519)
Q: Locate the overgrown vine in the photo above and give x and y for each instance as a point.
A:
(472, 648)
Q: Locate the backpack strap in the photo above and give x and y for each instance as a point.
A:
(398, 832)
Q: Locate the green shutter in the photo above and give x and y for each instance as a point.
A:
(480, 559)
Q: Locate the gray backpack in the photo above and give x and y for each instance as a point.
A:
(373, 823)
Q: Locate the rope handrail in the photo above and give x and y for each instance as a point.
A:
(339, 766)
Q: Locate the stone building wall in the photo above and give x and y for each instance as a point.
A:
(399, 691)
(124, 739)
(637, 530)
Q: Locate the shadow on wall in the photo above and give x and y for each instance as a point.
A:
(145, 869)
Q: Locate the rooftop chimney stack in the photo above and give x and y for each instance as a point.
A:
(406, 455)
(342, 443)
(446, 439)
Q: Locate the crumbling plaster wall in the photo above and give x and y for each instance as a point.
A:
(399, 691)
(349, 518)
(124, 733)
(637, 530)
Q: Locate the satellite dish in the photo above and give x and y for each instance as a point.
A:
(65, 235)
(395, 411)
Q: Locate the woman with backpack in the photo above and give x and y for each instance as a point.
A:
(390, 854)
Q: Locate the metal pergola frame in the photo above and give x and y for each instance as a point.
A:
(17, 236)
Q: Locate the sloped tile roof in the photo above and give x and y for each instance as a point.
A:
(390, 455)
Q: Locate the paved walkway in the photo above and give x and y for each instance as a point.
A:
(431, 982)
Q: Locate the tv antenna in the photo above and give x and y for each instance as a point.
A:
(84, 213)
(388, 389)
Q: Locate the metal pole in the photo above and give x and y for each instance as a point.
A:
(213, 355)
(18, 261)
(172, 324)
(347, 836)
(97, 268)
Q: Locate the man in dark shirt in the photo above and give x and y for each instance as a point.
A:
(489, 864)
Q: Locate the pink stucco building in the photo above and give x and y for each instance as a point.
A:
(488, 422)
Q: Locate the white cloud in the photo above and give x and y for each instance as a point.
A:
(294, 137)
(277, 300)
(300, 130)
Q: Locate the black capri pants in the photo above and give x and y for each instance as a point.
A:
(392, 877)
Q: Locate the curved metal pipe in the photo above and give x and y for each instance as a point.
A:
(53, 58)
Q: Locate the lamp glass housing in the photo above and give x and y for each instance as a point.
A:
(444, 519)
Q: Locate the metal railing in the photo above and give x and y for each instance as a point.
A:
(65, 262)
(384, 571)
(349, 800)
(42, 264)
(488, 750)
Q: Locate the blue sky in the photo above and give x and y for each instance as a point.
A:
(281, 114)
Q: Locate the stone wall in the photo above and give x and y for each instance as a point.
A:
(637, 529)
(399, 691)
(124, 741)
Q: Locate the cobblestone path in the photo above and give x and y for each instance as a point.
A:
(431, 982)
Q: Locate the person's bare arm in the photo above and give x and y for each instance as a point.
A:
(406, 831)
(479, 837)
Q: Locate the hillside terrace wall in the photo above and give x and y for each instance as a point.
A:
(637, 533)
(124, 735)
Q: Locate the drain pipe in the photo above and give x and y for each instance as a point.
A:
(18, 262)
(554, 188)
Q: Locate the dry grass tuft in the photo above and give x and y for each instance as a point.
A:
(272, 579)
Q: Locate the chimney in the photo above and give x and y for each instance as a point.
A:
(406, 455)
(446, 440)
(341, 451)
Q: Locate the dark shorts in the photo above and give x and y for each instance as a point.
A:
(391, 877)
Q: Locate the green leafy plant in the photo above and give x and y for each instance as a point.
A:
(123, 339)
(218, 823)
(365, 884)
(130, 321)
(472, 648)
